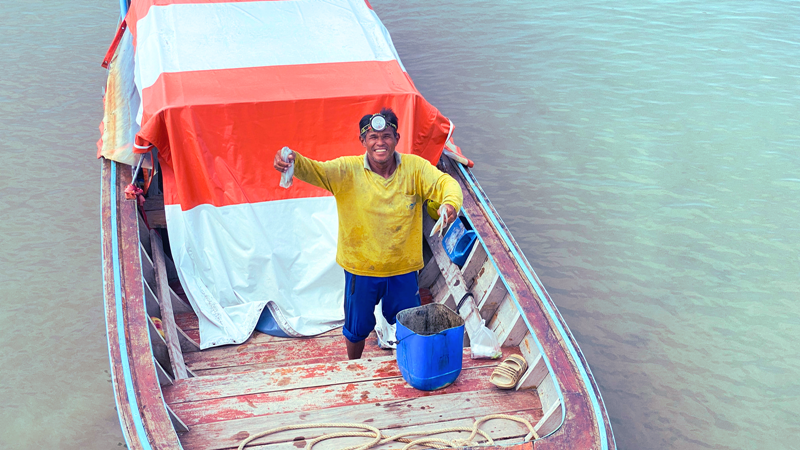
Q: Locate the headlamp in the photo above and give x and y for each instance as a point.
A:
(377, 123)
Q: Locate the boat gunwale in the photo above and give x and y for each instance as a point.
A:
(554, 319)
(144, 419)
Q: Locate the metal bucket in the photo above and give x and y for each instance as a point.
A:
(430, 346)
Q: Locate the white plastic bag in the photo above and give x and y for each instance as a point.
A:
(286, 177)
(483, 343)
(386, 333)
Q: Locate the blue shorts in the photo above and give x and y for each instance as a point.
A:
(362, 293)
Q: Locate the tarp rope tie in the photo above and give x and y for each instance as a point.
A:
(378, 438)
(133, 192)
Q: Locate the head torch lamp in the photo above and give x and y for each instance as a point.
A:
(377, 123)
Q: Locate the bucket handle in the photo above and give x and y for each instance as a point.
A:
(463, 299)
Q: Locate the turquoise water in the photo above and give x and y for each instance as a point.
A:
(644, 155)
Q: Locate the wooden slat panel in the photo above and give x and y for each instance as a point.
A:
(188, 345)
(428, 275)
(439, 289)
(508, 324)
(537, 371)
(550, 421)
(495, 296)
(208, 362)
(164, 379)
(147, 268)
(475, 261)
(180, 427)
(144, 234)
(296, 377)
(315, 398)
(384, 415)
(151, 302)
(178, 305)
(547, 393)
(261, 338)
(187, 321)
(159, 347)
(165, 301)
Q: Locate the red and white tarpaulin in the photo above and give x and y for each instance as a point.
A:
(224, 85)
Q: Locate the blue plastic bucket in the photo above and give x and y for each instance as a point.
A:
(430, 346)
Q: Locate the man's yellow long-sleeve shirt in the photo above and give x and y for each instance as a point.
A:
(380, 219)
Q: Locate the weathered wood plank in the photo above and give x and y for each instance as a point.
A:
(475, 261)
(186, 321)
(491, 293)
(144, 235)
(164, 379)
(165, 301)
(188, 345)
(312, 398)
(225, 360)
(508, 324)
(157, 219)
(537, 371)
(550, 421)
(296, 377)
(548, 394)
(178, 305)
(501, 431)
(262, 338)
(439, 289)
(151, 302)
(147, 268)
(177, 423)
(383, 415)
(428, 275)
(159, 346)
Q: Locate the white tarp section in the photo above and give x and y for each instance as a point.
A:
(230, 273)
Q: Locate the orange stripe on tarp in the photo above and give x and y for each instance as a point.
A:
(218, 131)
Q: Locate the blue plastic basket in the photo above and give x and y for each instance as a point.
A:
(458, 242)
(430, 346)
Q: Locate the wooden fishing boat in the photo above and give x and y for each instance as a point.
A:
(170, 394)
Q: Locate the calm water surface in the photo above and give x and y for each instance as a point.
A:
(644, 155)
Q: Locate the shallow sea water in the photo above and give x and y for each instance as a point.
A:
(644, 155)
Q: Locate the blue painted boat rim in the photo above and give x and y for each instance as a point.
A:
(114, 381)
(123, 347)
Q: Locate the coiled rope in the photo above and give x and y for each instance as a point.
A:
(379, 438)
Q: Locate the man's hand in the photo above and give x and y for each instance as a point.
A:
(449, 214)
(279, 164)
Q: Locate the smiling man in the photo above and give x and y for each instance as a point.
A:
(379, 198)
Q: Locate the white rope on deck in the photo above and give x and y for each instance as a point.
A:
(378, 438)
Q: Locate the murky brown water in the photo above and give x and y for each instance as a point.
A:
(644, 156)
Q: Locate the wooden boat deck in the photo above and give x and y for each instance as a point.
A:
(269, 382)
